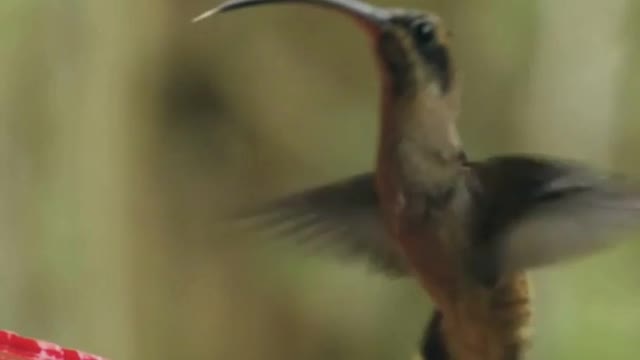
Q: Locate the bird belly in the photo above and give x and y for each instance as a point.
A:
(431, 263)
(479, 323)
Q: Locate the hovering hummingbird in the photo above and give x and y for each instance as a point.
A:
(467, 230)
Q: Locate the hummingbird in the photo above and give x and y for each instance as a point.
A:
(468, 230)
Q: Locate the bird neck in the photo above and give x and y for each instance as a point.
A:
(419, 145)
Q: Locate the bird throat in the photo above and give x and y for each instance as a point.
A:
(419, 144)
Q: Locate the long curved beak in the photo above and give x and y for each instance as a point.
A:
(371, 17)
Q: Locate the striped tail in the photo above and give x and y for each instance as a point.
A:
(489, 324)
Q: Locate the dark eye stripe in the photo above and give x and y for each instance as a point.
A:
(438, 57)
(424, 32)
(427, 42)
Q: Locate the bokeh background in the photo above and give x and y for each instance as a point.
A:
(127, 133)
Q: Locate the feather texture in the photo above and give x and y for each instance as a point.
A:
(532, 212)
(342, 216)
(526, 213)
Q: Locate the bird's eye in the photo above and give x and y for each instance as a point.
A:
(424, 32)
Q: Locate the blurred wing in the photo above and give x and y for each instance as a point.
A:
(579, 223)
(543, 212)
(343, 216)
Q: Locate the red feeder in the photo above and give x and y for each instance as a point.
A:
(16, 347)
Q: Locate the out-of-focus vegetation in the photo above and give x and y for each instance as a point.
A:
(127, 133)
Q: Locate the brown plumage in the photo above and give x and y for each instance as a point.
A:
(466, 230)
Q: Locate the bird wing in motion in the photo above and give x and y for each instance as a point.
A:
(343, 215)
(526, 212)
(531, 212)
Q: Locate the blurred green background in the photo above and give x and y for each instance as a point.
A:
(127, 133)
